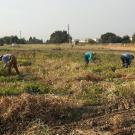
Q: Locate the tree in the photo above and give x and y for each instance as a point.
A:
(133, 38)
(91, 41)
(7, 40)
(34, 40)
(22, 41)
(12, 40)
(110, 38)
(59, 37)
(126, 39)
(1, 42)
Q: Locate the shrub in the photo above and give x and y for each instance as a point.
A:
(37, 89)
(10, 91)
(92, 95)
(125, 90)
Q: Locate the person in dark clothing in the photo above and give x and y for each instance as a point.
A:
(126, 59)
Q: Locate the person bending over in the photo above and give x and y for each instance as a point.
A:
(10, 62)
(89, 57)
(126, 59)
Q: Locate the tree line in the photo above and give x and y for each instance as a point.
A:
(15, 40)
(55, 37)
(58, 37)
(64, 37)
(113, 38)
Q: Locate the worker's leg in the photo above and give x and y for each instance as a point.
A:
(86, 63)
(123, 59)
(126, 63)
(86, 60)
(15, 65)
(9, 68)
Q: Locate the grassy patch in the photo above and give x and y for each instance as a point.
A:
(37, 89)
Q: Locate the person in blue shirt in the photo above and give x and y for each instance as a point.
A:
(10, 61)
(89, 57)
(126, 59)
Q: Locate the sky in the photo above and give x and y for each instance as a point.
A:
(87, 18)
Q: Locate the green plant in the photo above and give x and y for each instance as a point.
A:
(92, 95)
(37, 89)
(125, 90)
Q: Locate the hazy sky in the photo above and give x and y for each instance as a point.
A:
(87, 18)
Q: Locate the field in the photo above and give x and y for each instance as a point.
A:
(55, 94)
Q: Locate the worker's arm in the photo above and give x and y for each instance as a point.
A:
(92, 58)
(96, 59)
(6, 64)
(129, 61)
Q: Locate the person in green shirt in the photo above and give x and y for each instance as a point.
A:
(89, 57)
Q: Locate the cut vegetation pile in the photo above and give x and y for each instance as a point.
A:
(30, 114)
(18, 112)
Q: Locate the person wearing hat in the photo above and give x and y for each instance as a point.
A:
(89, 57)
(126, 59)
(10, 62)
